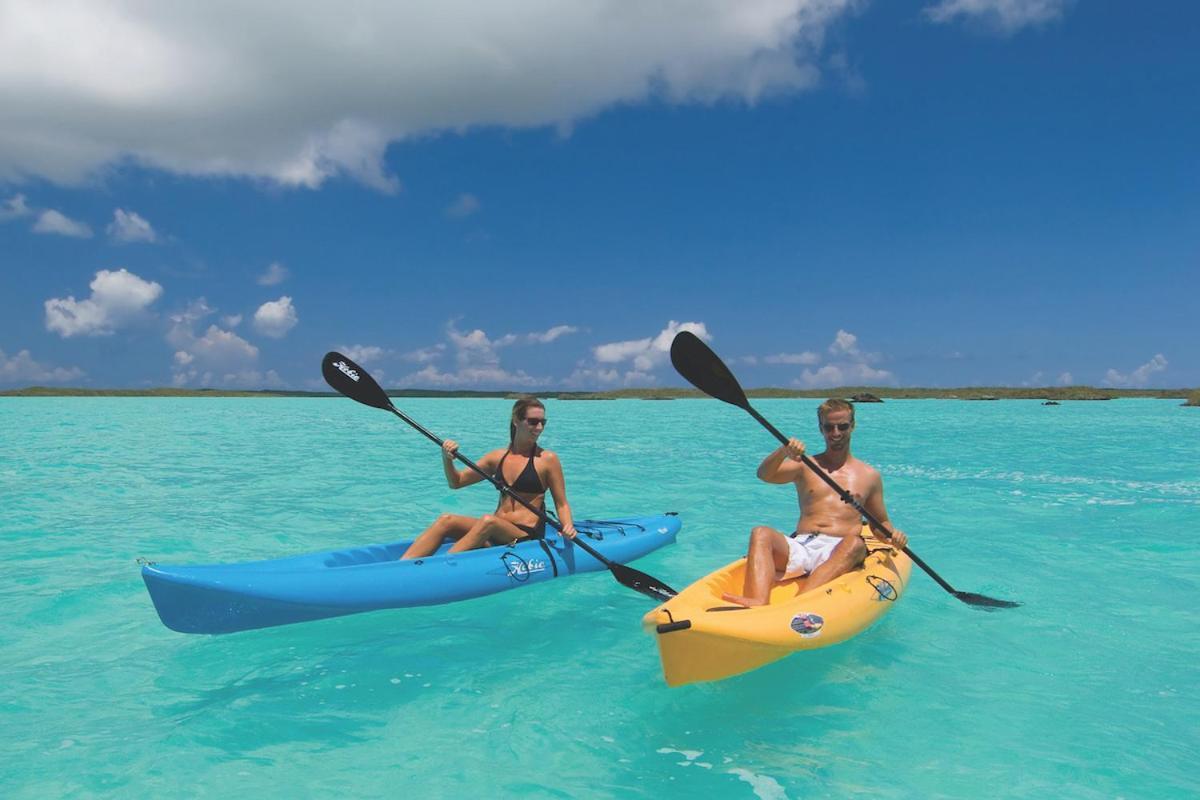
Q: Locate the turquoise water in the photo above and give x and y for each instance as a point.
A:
(1086, 512)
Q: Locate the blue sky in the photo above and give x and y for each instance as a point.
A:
(537, 196)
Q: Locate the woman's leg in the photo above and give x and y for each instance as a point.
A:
(446, 526)
(488, 530)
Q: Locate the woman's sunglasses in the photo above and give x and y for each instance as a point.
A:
(533, 422)
(830, 427)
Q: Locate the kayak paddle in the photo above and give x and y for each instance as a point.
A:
(703, 368)
(356, 383)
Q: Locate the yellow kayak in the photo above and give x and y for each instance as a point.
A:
(701, 637)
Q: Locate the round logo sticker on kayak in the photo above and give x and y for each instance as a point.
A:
(808, 625)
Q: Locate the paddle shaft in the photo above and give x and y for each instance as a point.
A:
(848, 498)
(502, 487)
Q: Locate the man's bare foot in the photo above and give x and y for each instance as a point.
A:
(742, 601)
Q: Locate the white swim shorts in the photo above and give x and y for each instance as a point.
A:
(807, 551)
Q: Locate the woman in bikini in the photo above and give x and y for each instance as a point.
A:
(525, 468)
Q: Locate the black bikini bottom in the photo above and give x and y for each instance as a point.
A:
(536, 531)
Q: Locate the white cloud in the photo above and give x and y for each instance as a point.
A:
(476, 362)
(1139, 377)
(651, 352)
(849, 366)
(640, 357)
(222, 348)
(297, 95)
(57, 223)
(1066, 379)
(1003, 16)
(231, 320)
(118, 298)
(851, 374)
(129, 226)
(548, 336)
(276, 273)
(480, 376)
(425, 354)
(14, 207)
(844, 344)
(22, 369)
(219, 357)
(794, 358)
(464, 206)
(362, 353)
(276, 318)
(593, 377)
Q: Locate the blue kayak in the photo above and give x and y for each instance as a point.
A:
(223, 598)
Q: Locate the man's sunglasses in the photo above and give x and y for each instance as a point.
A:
(829, 427)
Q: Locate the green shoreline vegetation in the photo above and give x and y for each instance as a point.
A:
(1190, 396)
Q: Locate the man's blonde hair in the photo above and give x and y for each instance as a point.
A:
(835, 404)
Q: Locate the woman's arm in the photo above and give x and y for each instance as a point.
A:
(558, 490)
(456, 478)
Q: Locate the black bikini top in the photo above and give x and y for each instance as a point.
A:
(528, 482)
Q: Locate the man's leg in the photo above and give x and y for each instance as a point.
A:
(845, 557)
(766, 558)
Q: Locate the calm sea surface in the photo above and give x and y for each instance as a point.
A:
(1089, 513)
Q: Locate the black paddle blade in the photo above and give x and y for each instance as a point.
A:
(705, 370)
(641, 582)
(983, 602)
(353, 381)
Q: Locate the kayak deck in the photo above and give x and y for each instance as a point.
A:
(223, 598)
(702, 637)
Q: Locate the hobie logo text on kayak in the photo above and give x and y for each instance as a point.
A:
(523, 568)
(347, 370)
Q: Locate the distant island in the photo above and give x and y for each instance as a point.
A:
(855, 393)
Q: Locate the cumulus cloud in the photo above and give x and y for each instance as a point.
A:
(276, 318)
(118, 298)
(1139, 377)
(651, 352)
(218, 357)
(806, 357)
(848, 366)
(276, 273)
(640, 358)
(297, 96)
(58, 224)
(844, 344)
(362, 353)
(222, 347)
(464, 206)
(425, 354)
(14, 208)
(1003, 16)
(129, 226)
(553, 333)
(1066, 379)
(476, 361)
(22, 369)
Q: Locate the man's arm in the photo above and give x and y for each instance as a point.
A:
(783, 465)
(875, 505)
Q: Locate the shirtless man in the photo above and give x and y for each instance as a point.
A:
(828, 541)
